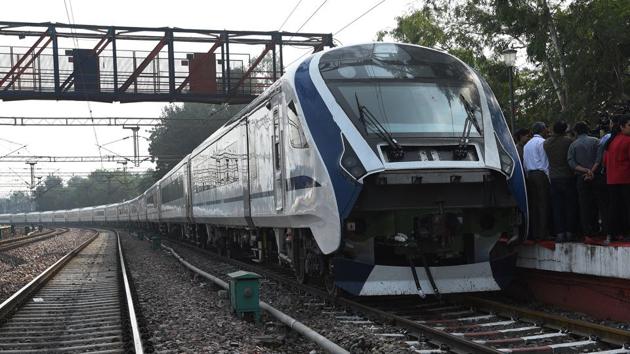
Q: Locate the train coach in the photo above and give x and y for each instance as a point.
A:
(383, 168)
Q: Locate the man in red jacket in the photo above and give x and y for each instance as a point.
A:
(617, 162)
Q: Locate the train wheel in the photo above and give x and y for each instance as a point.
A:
(299, 257)
(329, 279)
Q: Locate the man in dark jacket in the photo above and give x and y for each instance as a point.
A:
(582, 157)
(563, 194)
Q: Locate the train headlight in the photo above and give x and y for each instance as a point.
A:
(350, 161)
(507, 164)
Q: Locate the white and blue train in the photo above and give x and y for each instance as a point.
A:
(382, 168)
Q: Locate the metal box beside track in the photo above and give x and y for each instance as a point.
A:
(244, 293)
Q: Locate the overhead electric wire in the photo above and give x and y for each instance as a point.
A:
(288, 16)
(311, 16)
(71, 20)
(342, 28)
(358, 18)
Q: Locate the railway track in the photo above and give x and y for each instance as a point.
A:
(81, 303)
(12, 243)
(460, 324)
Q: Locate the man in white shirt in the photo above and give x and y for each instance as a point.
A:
(537, 170)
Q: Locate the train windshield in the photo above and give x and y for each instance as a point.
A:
(407, 89)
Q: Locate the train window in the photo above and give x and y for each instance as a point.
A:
(276, 138)
(296, 134)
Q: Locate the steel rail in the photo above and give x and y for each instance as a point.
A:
(458, 344)
(135, 329)
(605, 333)
(24, 237)
(294, 324)
(22, 241)
(19, 297)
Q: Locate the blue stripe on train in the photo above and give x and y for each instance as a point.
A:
(326, 134)
(516, 183)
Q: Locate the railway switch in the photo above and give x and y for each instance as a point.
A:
(244, 293)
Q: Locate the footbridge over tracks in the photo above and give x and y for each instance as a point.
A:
(53, 61)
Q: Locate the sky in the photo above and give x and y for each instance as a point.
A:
(266, 15)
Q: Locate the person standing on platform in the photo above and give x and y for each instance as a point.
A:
(582, 157)
(563, 194)
(537, 171)
(521, 137)
(617, 162)
(600, 179)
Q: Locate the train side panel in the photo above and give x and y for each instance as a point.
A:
(5, 219)
(111, 213)
(152, 200)
(33, 217)
(99, 213)
(173, 194)
(46, 217)
(219, 174)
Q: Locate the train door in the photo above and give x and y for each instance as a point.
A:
(278, 153)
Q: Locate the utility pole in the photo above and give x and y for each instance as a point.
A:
(32, 186)
(136, 145)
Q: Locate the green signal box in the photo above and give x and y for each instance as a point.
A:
(244, 293)
(156, 242)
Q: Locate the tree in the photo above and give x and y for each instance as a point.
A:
(17, 202)
(99, 187)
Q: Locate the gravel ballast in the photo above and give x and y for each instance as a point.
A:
(20, 265)
(182, 313)
(311, 311)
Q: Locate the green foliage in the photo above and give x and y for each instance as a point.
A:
(578, 52)
(178, 138)
(17, 202)
(100, 187)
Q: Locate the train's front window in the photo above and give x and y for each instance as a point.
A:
(407, 89)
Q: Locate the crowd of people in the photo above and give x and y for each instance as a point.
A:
(578, 185)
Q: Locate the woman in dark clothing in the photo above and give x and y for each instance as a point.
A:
(617, 162)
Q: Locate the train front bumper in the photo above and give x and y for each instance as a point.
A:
(364, 279)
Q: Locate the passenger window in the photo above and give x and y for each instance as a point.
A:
(276, 138)
(296, 134)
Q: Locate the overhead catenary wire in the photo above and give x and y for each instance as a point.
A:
(342, 28)
(71, 20)
(311, 16)
(359, 17)
(289, 15)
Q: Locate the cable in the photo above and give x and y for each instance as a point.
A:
(290, 13)
(339, 30)
(356, 19)
(76, 43)
(11, 142)
(311, 16)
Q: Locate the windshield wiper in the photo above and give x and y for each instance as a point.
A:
(462, 150)
(395, 152)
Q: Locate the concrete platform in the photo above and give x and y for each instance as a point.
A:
(589, 278)
(602, 261)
